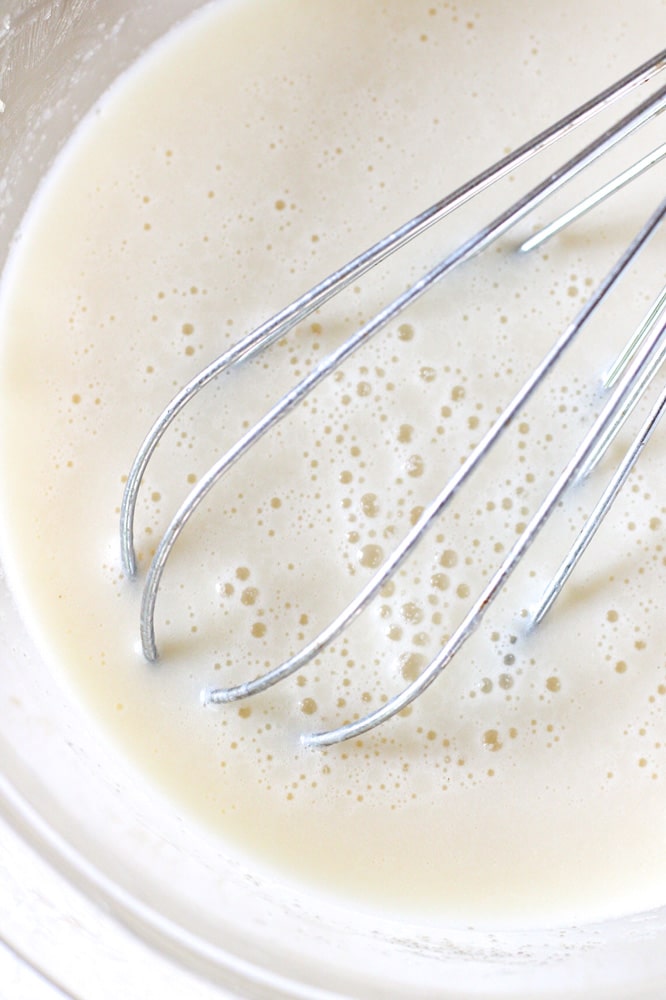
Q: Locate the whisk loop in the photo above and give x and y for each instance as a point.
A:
(626, 383)
(275, 327)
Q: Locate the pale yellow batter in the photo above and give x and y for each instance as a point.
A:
(258, 148)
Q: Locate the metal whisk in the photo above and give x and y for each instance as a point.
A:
(626, 383)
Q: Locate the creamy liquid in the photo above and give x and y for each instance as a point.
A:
(258, 148)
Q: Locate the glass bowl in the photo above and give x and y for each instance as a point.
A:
(136, 897)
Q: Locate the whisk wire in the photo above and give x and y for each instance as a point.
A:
(433, 510)
(593, 522)
(485, 237)
(270, 331)
(625, 384)
(594, 199)
(496, 583)
(605, 440)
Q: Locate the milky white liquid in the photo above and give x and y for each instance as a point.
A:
(259, 148)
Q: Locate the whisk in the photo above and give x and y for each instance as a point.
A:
(626, 384)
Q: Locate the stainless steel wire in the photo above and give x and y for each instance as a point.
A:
(626, 382)
(606, 426)
(275, 327)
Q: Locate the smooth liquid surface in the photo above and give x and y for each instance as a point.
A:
(527, 784)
